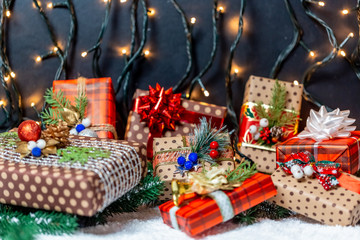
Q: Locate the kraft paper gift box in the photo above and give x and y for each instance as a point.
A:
(260, 89)
(46, 183)
(307, 197)
(166, 152)
(202, 213)
(139, 131)
(101, 102)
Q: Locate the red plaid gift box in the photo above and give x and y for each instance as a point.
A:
(201, 213)
(340, 150)
(101, 102)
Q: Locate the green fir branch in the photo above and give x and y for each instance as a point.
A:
(56, 100)
(8, 139)
(277, 104)
(261, 110)
(50, 116)
(244, 171)
(81, 154)
(81, 103)
(204, 134)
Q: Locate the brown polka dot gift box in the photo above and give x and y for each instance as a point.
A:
(159, 112)
(84, 189)
(269, 115)
(167, 150)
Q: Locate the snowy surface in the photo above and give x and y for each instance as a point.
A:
(147, 224)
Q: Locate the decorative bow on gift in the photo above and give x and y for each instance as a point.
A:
(303, 163)
(161, 109)
(325, 125)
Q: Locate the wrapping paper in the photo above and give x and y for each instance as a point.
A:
(201, 214)
(260, 89)
(307, 197)
(166, 152)
(139, 132)
(340, 150)
(101, 101)
(84, 190)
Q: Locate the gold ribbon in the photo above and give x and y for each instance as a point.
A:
(104, 127)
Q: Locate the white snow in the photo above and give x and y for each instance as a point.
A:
(147, 224)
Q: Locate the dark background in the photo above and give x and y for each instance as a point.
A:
(267, 32)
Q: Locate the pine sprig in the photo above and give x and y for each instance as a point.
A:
(204, 134)
(241, 173)
(81, 102)
(277, 104)
(75, 154)
(56, 100)
(50, 116)
(261, 110)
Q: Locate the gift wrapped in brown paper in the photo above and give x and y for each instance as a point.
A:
(307, 197)
(258, 133)
(189, 114)
(166, 152)
(72, 187)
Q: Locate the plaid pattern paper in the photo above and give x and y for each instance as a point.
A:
(201, 214)
(101, 100)
(340, 150)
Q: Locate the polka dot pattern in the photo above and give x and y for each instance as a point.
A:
(164, 163)
(138, 131)
(260, 89)
(265, 160)
(334, 207)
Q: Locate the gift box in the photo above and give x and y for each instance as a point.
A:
(101, 102)
(139, 131)
(202, 213)
(166, 152)
(46, 183)
(259, 89)
(307, 197)
(339, 150)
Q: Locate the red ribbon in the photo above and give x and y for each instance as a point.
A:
(162, 109)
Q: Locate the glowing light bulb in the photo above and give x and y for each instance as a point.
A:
(38, 123)
(206, 93)
(312, 54)
(321, 3)
(236, 70)
(38, 59)
(12, 74)
(50, 5)
(221, 9)
(296, 82)
(55, 49)
(351, 35)
(6, 78)
(343, 53)
(84, 54)
(8, 13)
(105, 1)
(147, 53)
(345, 11)
(151, 12)
(123, 1)
(32, 104)
(123, 51)
(193, 20)
(2, 103)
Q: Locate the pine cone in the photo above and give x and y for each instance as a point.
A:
(276, 132)
(59, 132)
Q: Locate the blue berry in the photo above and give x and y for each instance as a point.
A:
(188, 165)
(181, 160)
(36, 152)
(79, 127)
(193, 157)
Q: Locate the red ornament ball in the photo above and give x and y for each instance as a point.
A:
(214, 145)
(29, 130)
(214, 154)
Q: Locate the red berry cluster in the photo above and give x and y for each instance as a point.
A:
(214, 153)
(325, 182)
(265, 135)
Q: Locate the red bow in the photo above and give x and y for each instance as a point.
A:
(161, 109)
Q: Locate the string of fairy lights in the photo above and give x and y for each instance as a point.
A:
(11, 104)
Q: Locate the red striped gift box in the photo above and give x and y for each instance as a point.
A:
(101, 101)
(345, 151)
(201, 213)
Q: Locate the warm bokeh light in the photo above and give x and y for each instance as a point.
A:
(351, 35)
(6, 78)
(32, 104)
(343, 53)
(236, 70)
(123, 51)
(123, 1)
(151, 12)
(55, 49)
(50, 5)
(312, 54)
(84, 54)
(8, 13)
(345, 11)
(193, 20)
(38, 59)
(147, 52)
(206, 93)
(2, 103)
(321, 3)
(221, 9)
(12, 74)
(296, 82)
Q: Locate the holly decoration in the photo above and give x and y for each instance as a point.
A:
(303, 163)
(29, 130)
(205, 145)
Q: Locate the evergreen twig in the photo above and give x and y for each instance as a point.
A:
(81, 103)
(81, 154)
(242, 172)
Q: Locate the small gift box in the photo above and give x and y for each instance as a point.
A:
(328, 137)
(168, 150)
(268, 116)
(315, 196)
(72, 187)
(202, 213)
(101, 102)
(171, 116)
